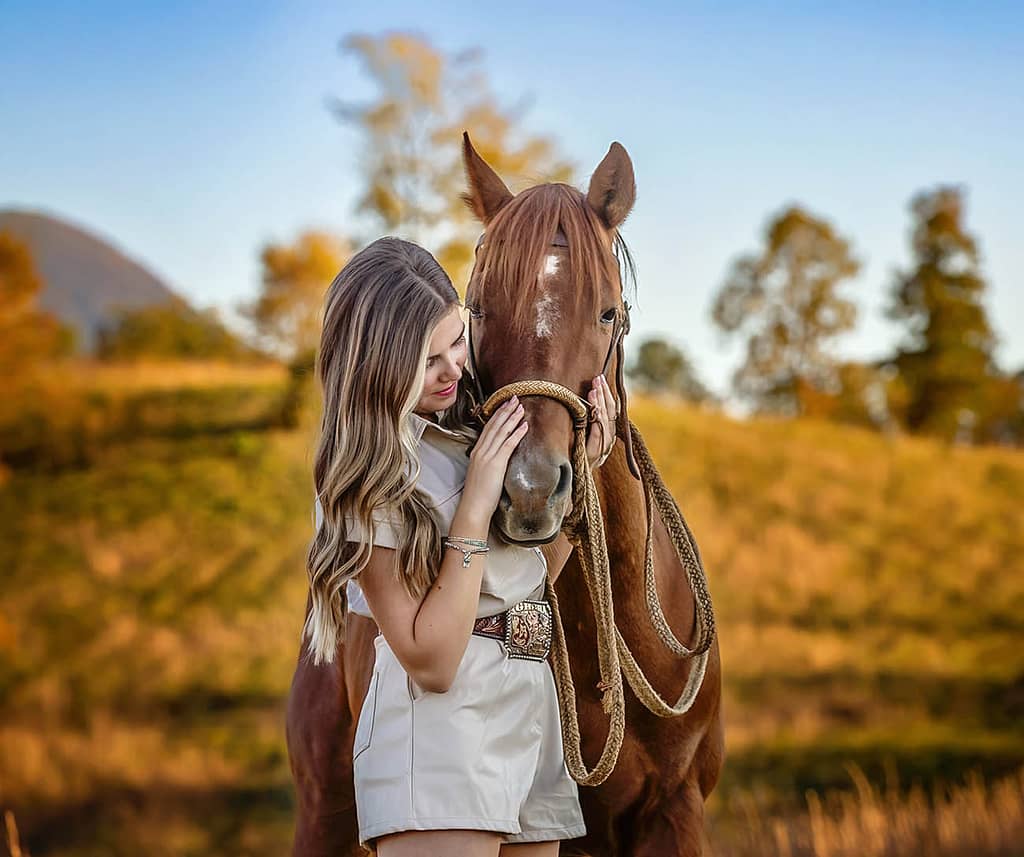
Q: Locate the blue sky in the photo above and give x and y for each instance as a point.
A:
(191, 134)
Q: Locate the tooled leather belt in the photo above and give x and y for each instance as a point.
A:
(525, 630)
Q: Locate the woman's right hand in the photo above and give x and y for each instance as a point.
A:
(489, 459)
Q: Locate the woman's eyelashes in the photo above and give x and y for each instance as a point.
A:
(458, 345)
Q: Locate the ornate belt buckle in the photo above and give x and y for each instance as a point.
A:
(528, 630)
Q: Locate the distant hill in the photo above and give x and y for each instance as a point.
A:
(86, 277)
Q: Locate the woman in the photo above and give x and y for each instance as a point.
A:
(458, 748)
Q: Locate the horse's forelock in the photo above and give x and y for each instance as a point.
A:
(519, 240)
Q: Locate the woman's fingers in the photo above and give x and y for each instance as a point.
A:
(609, 400)
(601, 437)
(512, 441)
(499, 426)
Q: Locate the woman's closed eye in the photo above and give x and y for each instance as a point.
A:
(457, 344)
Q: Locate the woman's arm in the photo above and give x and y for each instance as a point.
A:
(429, 636)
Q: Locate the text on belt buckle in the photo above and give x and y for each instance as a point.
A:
(528, 630)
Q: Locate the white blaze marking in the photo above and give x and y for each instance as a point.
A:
(547, 306)
(521, 480)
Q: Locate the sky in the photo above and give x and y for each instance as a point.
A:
(190, 134)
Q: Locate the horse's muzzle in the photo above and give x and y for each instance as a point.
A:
(536, 497)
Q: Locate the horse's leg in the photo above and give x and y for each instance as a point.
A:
(677, 829)
(318, 729)
(322, 709)
(710, 755)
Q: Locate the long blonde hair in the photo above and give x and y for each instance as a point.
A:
(379, 315)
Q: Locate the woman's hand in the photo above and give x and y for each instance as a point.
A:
(601, 436)
(489, 459)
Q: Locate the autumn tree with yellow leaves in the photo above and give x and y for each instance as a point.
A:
(28, 335)
(287, 313)
(410, 166)
(411, 132)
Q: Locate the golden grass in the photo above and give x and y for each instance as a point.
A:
(971, 820)
(132, 377)
(867, 589)
(13, 840)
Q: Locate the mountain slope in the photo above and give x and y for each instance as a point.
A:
(86, 278)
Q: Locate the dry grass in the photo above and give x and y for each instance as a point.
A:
(129, 377)
(868, 592)
(970, 820)
(13, 840)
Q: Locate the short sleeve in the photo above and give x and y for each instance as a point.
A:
(385, 527)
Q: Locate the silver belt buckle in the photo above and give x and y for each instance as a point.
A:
(528, 630)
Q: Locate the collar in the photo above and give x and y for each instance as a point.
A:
(421, 424)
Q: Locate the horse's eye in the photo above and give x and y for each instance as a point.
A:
(474, 311)
(608, 316)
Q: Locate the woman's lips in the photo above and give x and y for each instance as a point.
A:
(447, 391)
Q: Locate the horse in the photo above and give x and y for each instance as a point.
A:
(545, 300)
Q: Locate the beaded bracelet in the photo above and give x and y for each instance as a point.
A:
(475, 546)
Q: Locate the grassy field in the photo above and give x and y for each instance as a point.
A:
(869, 593)
(63, 416)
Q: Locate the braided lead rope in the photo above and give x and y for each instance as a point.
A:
(585, 528)
(686, 551)
(589, 538)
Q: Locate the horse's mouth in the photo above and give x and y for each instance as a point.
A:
(530, 543)
(521, 538)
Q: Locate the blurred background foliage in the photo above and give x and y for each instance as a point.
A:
(862, 523)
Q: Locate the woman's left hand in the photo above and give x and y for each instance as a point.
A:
(601, 435)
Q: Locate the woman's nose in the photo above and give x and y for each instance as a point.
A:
(453, 370)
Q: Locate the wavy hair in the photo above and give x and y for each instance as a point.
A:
(379, 315)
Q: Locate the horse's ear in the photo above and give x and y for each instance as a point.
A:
(612, 187)
(487, 192)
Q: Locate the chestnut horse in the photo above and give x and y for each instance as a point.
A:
(544, 297)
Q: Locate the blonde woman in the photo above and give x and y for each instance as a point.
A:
(458, 749)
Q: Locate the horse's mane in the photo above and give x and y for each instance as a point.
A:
(520, 237)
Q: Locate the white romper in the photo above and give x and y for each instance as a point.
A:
(487, 754)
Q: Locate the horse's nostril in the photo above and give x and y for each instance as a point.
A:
(504, 502)
(564, 480)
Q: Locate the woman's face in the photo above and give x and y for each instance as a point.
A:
(446, 357)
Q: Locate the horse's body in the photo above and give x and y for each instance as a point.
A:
(652, 803)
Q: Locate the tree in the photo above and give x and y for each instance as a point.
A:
(27, 334)
(411, 143)
(287, 313)
(170, 331)
(660, 367)
(786, 301)
(945, 363)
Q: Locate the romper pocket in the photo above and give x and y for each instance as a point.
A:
(364, 728)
